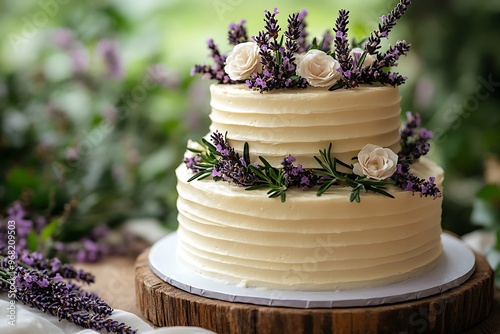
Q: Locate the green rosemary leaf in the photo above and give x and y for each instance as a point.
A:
(380, 191)
(337, 85)
(267, 165)
(203, 165)
(257, 186)
(324, 187)
(323, 166)
(194, 150)
(283, 197)
(362, 60)
(273, 193)
(314, 44)
(272, 173)
(340, 162)
(355, 195)
(259, 173)
(200, 174)
(246, 154)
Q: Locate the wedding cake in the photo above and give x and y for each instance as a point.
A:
(307, 180)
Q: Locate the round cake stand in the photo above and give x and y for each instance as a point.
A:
(452, 311)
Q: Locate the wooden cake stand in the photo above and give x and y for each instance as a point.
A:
(450, 312)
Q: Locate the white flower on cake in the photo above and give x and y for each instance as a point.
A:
(318, 68)
(243, 61)
(358, 52)
(376, 162)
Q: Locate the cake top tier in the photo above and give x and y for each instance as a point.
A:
(279, 59)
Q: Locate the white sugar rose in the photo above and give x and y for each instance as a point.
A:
(358, 52)
(376, 162)
(243, 61)
(318, 68)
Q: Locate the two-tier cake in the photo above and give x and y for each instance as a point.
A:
(307, 181)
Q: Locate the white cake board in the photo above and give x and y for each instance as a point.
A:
(454, 267)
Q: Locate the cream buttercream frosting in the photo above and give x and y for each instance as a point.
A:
(302, 122)
(309, 242)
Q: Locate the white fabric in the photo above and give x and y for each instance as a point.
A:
(33, 321)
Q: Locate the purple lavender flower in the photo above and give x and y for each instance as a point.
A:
(39, 283)
(297, 176)
(341, 42)
(108, 50)
(192, 162)
(278, 74)
(414, 144)
(302, 40)
(388, 22)
(23, 226)
(409, 182)
(348, 65)
(237, 33)
(216, 71)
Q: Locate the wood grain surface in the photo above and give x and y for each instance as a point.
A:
(465, 307)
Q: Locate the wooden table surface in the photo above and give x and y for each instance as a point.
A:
(115, 278)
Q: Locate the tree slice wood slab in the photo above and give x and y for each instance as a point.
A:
(450, 312)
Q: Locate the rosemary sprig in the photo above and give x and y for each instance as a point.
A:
(208, 158)
(334, 177)
(270, 177)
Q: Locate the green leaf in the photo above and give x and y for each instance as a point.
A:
(380, 191)
(355, 195)
(257, 186)
(246, 153)
(362, 60)
(32, 241)
(339, 84)
(283, 197)
(485, 214)
(259, 173)
(343, 164)
(49, 230)
(200, 175)
(324, 187)
(489, 192)
(194, 150)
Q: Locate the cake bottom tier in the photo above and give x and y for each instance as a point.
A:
(308, 242)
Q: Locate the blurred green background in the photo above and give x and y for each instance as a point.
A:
(97, 101)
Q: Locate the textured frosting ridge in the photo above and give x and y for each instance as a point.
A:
(302, 122)
(308, 242)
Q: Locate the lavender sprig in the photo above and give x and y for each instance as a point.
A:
(407, 181)
(216, 71)
(278, 60)
(351, 76)
(48, 285)
(414, 140)
(298, 176)
(54, 267)
(23, 225)
(414, 144)
(341, 41)
(388, 22)
(237, 33)
(376, 72)
(302, 40)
